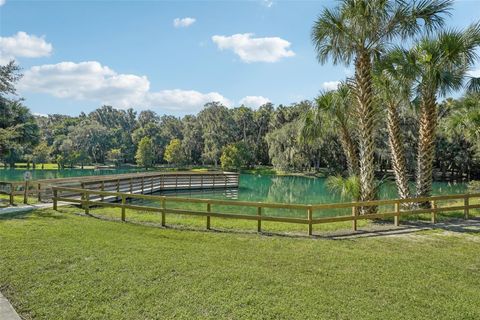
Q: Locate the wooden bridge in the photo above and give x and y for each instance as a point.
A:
(132, 183)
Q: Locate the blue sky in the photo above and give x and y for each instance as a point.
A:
(78, 55)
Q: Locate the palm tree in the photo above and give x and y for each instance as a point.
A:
(442, 64)
(394, 75)
(332, 113)
(359, 31)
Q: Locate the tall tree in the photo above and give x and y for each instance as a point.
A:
(360, 31)
(145, 155)
(442, 64)
(393, 81)
(218, 130)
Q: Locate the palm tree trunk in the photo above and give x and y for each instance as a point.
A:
(350, 151)
(365, 113)
(426, 145)
(397, 150)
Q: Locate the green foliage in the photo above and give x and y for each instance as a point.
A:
(174, 152)
(235, 156)
(115, 156)
(145, 156)
(41, 153)
(348, 188)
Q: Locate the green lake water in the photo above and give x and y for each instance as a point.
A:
(288, 189)
(293, 189)
(262, 188)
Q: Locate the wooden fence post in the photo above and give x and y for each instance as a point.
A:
(434, 212)
(86, 199)
(143, 185)
(259, 221)
(123, 207)
(12, 193)
(354, 221)
(131, 185)
(466, 204)
(118, 187)
(25, 193)
(39, 192)
(55, 193)
(151, 185)
(209, 209)
(163, 212)
(102, 188)
(396, 219)
(310, 218)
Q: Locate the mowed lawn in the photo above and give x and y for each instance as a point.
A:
(57, 265)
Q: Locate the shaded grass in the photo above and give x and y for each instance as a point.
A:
(62, 266)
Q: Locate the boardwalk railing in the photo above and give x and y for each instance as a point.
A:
(145, 182)
(88, 198)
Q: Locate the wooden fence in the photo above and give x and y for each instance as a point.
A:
(145, 182)
(87, 198)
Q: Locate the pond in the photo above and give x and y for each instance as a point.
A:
(287, 189)
(262, 188)
(295, 189)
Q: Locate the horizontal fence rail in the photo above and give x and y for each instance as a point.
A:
(145, 182)
(88, 198)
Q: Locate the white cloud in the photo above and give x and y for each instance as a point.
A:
(183, 22)
(2, 2)
(474, 73)
(330, 85)
(184, 100)
(254, 101)
(267, 3)
(92, 81)
(250, 49)
(23, 45)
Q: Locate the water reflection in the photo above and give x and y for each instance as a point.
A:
(293, 189)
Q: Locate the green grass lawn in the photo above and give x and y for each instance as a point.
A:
(58, 265)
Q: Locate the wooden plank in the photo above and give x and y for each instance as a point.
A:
(164, 211)
(209, 209)
(310, 218)
(259, 221)
(466, 210)
(123, 207)
(396, 218)
(354, 221)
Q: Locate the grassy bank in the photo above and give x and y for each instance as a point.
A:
(63, 266)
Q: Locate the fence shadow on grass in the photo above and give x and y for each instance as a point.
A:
(377, 228)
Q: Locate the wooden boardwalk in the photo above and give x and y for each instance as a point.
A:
(132, 183)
